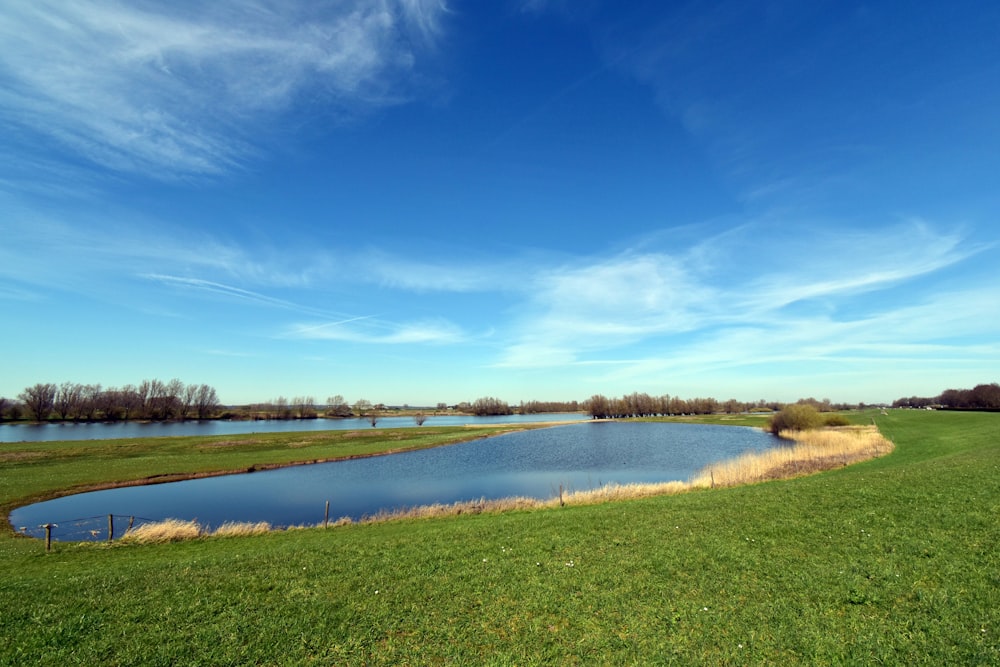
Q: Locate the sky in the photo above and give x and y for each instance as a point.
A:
(424, 201)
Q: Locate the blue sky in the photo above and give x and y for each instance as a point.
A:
(415, 201)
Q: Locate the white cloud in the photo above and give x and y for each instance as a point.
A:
(377, 331)
(688, 309)
(172, 91)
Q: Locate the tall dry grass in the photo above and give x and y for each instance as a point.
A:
(814, 451)
(242, 529)
(170, 530)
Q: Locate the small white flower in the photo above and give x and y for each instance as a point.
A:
(376, 591)
(739, 646)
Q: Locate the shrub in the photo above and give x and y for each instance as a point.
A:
(836, 420)
(797, 417)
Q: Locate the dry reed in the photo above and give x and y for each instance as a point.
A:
(814, 451)
(242, 529)
(170, 530)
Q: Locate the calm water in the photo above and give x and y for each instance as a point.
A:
(112, 430)
(531, 463)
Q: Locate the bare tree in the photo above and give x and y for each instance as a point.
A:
(132, 400)
(281, 408)
(336, 406)
(171, 400)
(419, 418)
(68, 398)
(206, 401)
(39, 400)
(110, 403)
(89, 404)
(4, 404)
(187, 399)
(362, 407)
(305, 407)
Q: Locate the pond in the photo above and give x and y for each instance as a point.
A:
(534, 463)
(134, 429)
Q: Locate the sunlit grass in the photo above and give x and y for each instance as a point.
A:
(888, 561)
(170, 530)
(242, 529)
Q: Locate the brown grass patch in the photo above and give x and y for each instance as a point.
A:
(169, 530)
(20, 456)
(242, 529)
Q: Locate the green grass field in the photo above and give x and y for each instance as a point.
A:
(893, 561)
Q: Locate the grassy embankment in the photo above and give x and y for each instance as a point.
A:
(892, 561)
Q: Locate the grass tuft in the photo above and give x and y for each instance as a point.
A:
(241, 529)
(169, 530)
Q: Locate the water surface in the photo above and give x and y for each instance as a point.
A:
(531, 463)
(134, 429)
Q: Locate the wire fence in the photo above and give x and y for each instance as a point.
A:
(86, 529)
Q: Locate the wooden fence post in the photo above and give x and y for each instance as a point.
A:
(111, 528)
(326, 514)
(48, 536)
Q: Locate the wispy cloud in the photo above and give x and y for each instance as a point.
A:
(381, 332)
(690, 307)
(176, 90)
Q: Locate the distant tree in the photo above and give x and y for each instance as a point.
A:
(362, 407)
(172, 400)
(39, 400)
(305, 407)
(419, 418)
(985, 396)
(441, 407)
(132, 400)
(4, 404)
(490, 406)
(206, 401)
(598, 406)
(187, 400)
(89, 406)
(110, 402)
(336, 406)
(68, 398)
(281, 408)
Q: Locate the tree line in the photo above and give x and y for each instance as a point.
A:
(637, 404)
(150, 399)
(980, 397)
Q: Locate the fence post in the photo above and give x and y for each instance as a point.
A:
(111, 528)
(326, 514)
(48, 536)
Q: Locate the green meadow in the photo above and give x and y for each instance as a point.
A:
(891, 561)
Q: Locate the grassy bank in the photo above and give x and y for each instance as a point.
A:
(892, 561)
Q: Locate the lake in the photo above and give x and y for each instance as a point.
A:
(531, 463)
(137, 429)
